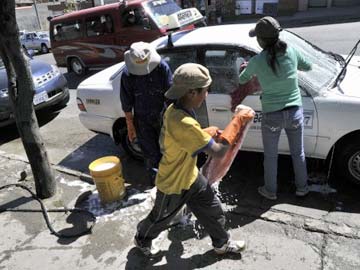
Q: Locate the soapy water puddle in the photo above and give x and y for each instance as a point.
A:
(133, 202)
(138, 204)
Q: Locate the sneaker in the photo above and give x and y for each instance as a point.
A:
(231, 247)
(302, 193)
(148, 251)
(263, 192)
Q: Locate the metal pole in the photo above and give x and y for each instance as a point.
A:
(37, 14)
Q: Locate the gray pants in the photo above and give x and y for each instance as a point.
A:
(201, 200)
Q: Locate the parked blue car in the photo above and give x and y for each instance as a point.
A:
(51, 90)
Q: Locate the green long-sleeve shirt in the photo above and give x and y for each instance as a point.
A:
(279, 90)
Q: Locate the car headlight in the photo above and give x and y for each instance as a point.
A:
(4, 93)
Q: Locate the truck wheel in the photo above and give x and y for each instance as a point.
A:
(347, 162)
(133, 149)
(77, 67)
(44, 48)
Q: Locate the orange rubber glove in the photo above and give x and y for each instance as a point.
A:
(212, 130)
(130, 126)
(243, 115)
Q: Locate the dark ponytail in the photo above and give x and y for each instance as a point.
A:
(274, 47)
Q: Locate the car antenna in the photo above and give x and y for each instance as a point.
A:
(170, 43)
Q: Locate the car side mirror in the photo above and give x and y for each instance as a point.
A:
(146, 23)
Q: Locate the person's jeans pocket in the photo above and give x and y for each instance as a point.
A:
(296, 118)
(272, 122)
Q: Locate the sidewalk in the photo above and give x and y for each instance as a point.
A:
(290, 234)
(315, 16)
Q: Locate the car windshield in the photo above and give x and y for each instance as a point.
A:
(157, 10)
(326, 66)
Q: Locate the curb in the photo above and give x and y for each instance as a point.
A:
(82, 176)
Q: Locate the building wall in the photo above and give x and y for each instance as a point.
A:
(27, 20)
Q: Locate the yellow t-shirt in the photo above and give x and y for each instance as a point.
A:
(181, 139)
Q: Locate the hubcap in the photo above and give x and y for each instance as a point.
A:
(354, 165)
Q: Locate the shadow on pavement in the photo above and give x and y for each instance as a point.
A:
(99, 146)
(136, 260)
(10, 132)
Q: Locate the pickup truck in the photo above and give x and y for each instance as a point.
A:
(36, 41)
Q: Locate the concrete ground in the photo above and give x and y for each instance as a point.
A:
(318, 232)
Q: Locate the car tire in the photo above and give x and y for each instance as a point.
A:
(44, 48)
(77, 67)
(347, 162)
(132, 149)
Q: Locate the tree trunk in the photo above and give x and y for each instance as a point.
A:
(21, 93)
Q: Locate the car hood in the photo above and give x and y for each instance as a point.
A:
(350, 85)
(38, 68)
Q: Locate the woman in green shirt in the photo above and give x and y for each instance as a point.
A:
(276, 69)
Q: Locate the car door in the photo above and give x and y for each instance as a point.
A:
(100, 40)
(253, 141)
(223, 64)
(28, 42)
(35, 42)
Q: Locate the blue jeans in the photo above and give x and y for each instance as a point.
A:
(292, 120)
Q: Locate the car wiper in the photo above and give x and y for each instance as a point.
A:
(347, 61)
(338, 58)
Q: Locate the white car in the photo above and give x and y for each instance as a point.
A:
(331, 93)
(36, 40)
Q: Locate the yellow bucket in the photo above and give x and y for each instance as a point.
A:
(106, 172)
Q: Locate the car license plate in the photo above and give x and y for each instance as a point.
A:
(184, 16)
(40, 98)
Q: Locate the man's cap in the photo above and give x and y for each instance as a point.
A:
(141, 58)
(188, 76)
(266, 27)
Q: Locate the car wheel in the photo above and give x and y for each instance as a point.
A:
(44, 48)
(132, 148)
(347, 162)
(77, 67)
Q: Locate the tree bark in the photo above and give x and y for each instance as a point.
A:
(21, 93)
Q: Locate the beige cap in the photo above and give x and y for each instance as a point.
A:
(188, 76)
